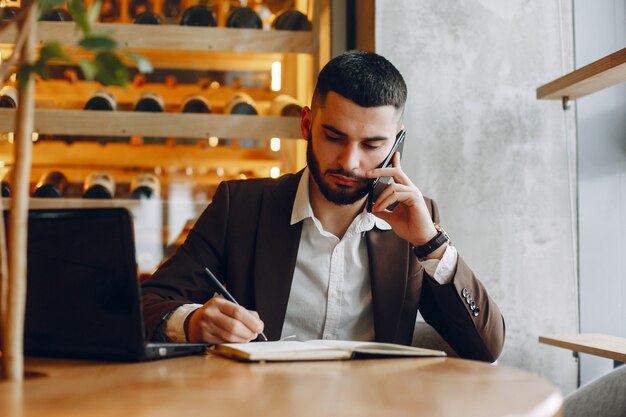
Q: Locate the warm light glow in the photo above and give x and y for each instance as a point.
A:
(13, 77)
(0, 57)
(189, 171)
(214, 141)
(215, 85)
(1, 164)
(276, 76)
(275, 172)
(35, 137)
(10, 137)
(220, 172)
(275, 144)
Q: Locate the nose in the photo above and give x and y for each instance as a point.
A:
(349, 157)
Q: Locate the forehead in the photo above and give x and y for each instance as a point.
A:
(347, 116)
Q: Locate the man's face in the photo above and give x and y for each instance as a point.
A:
(344, 141)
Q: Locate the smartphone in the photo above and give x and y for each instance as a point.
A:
(378, 185)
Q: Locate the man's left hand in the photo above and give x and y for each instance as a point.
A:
(410, 219)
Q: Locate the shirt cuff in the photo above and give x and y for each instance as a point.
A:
(442, 270)
(175, 327)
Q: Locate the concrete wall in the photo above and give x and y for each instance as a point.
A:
(600, 30)
(500, 163)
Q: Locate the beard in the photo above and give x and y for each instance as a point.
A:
(342, 195)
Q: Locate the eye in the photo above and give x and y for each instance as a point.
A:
(370, 146)
(333, 138)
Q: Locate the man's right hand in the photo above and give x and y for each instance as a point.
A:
(220, 321)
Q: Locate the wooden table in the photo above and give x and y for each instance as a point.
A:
(606, 346)
(213, 386)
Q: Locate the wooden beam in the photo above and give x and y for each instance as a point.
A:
(177, 38)
(179, 125)
(598, 75)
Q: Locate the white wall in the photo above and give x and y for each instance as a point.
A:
(494, 157)
(600, 29)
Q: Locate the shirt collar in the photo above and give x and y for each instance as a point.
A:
(302, 209)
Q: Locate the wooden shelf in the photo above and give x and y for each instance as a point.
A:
(177, 38)
(602, 345)
(180, 125)
(598, 75)
(122, 155)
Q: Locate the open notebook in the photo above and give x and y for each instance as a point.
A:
(318, 350)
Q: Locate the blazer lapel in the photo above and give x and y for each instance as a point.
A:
(388, 275)
(277, 245)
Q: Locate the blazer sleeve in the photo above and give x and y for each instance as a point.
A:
(462, 312)
(180, 279)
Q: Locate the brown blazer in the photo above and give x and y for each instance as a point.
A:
(245, 238)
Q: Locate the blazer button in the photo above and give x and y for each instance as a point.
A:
(476, 312)
(465, 293)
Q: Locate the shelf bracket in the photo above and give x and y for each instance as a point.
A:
(567, 103)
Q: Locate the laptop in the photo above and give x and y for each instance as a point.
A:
(83, 297)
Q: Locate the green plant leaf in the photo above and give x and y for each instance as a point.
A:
(94, 11)
(89, 68)
(78, 12)
(97, 42)
(111, 69)
(143, 65)
(41, 68)
(52, 50)
(24, 73)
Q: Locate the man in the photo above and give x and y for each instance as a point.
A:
(303, 256)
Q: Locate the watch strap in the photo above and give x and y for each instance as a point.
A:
(433, 244)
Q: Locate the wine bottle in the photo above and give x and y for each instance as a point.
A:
(8, 97)
(285, 105)
(196, 104)
(150, 102)
(9, 13)
(7, 181)
(291, 20)
(109, 11)
(198, 16)
(244, 17)
(52, 184)
(145, 186)
(101, 100)
(240, 103)
(147, 18)
(99, 185)
(57, 14)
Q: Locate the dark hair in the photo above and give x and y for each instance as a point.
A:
(365, 78)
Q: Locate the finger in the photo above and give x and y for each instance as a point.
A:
(241, 314)
(218, 335)
(401, 197)
(391, 190)
(231, 329)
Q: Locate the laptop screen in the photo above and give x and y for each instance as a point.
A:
(83, 294)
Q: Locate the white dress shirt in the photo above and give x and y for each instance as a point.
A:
(330, 294)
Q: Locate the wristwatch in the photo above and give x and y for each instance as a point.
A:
(433, 244)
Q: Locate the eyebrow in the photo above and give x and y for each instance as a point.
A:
(342, 134)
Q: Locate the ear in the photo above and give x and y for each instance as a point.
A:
(306, 122)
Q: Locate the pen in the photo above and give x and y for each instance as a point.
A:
(219, 288)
